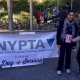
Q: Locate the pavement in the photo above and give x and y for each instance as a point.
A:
(45, 71)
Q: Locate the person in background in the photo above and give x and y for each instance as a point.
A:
(66, 31)
(78, 39)
(67, 10)
(67, 7)
(38, 14)
(45, 16)
(62, 14)
(55, 14)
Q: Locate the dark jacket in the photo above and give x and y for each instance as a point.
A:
(59, 31)
(62, 15)
(67, 8)
(79, 29)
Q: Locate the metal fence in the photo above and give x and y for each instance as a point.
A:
(26, 31)
(52, 26)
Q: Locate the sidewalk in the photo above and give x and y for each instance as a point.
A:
(46, 71)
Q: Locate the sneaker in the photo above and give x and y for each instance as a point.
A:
(74, 49)
(59, 72)
(68, 71)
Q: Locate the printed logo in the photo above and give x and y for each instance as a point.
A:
(50, 41)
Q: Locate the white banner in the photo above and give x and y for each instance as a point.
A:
(14, 44)
(21, 60)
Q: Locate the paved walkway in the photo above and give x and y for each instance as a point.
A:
(45, 71)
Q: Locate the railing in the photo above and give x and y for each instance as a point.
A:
(52, 25)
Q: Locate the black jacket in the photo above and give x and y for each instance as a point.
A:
(59, 31)
(79, 29)
(62, 15)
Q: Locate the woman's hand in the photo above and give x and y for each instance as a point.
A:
(73, 40)
(59, 46)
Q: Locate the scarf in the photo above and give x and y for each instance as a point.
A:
(67, 24)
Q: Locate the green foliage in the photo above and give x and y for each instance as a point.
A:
(20, 6)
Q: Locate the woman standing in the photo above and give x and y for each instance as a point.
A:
(66, 31)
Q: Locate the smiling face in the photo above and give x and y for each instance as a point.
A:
(78, 17)
(70, 16)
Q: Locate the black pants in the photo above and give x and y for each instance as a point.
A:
(65, 49)
(78, 58)
(54, 19)
(45, 20)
